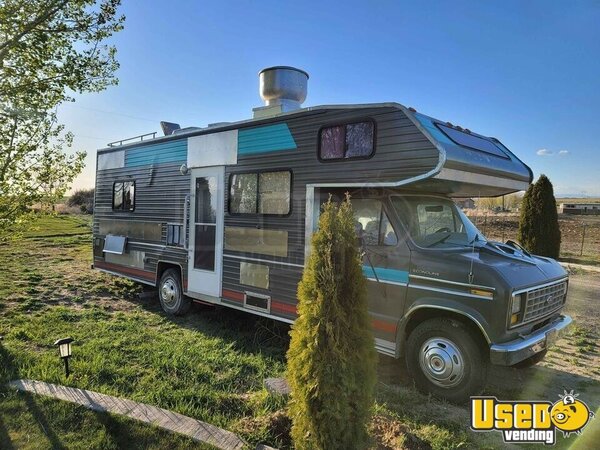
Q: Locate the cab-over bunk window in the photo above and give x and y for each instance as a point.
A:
(265, 193)
(347, 141)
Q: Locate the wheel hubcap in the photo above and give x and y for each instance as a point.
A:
(169, 292)
(441, 361)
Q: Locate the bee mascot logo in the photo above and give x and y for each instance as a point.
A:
(530, 421)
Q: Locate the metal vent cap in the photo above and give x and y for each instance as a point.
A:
(284, 86)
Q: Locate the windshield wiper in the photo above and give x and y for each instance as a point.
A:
(439, 241)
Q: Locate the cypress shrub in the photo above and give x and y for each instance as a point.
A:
(332, 358)
(538, 226)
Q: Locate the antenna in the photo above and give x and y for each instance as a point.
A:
(471, 276)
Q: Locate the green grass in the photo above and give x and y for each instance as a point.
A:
(31, 422)
(209, 365)
(59, 225)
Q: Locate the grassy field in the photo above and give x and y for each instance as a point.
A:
(209, 364)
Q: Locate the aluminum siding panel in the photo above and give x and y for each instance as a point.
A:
(402, 152)
(159, 199)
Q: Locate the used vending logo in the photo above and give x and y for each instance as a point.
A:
(530, 422)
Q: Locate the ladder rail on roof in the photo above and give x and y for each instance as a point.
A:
(123, 141)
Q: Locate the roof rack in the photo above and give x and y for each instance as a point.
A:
(122, 141)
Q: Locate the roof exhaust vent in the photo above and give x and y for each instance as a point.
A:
(282, 88)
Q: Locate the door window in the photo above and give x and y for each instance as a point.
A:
(372, 223)
(205, 223)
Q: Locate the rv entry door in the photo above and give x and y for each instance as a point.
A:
(206, 231)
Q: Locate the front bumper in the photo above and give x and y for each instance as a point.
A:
(510, 353)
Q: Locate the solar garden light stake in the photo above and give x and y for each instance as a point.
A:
(64, 347)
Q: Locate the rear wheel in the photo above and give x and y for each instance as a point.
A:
(171, 295)
(445, 360)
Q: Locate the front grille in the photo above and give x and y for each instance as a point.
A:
(542, 301)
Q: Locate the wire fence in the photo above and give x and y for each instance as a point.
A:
(580, 235)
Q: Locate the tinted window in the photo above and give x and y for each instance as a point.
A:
(372, 224)
(124, 196)
(265, 193)
(274, 192)
(354, 140)
(242, 193)
(472, 141)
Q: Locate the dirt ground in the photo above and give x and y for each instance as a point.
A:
(580, 235)
(573, 363)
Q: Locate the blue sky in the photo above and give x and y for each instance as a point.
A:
(527, 73)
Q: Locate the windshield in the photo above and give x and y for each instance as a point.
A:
(436, 222)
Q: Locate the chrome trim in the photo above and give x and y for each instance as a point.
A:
(254, 311)
(448, 291)
(385, 347)
(186, 204)
(462, 176)
(308, 220)
(396, 283)
(523, 309)
(162, 246)
(510, 353)
(471, 286)
(263, 260)
(540, 286)
(446, 308)
(158, 261)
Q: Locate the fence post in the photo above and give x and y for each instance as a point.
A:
(582, 240)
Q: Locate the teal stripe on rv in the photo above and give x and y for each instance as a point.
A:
(270, 138)
(393, 275)
(167, 152)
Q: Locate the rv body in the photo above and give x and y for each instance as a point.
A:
(224, 215)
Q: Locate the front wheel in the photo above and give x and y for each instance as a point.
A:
(171, 295)
(445, 360)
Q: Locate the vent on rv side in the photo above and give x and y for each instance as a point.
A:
(283, 89)
(257, 301)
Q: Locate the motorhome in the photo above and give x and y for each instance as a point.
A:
(224, 215)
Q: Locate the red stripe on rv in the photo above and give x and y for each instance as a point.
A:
(284, 307)
(139, 273)
(386, 327)
(233, 295)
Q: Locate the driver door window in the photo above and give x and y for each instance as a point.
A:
(372, 224)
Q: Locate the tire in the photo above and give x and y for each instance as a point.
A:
(170, 293)
(444, 360)
(531, 361)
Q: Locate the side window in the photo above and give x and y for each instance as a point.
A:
(436, 218)
(372, 224)
(124, 196)
(267, 193)
(353, 140)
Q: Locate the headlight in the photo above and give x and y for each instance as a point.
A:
(516, 304)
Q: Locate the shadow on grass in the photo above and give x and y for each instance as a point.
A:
(42, 422)
(7, 372)
(5, 441)
(249, 333)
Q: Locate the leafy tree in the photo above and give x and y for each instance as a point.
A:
(49, 49)
(331, 359)
(539, 231)
(84, 198)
